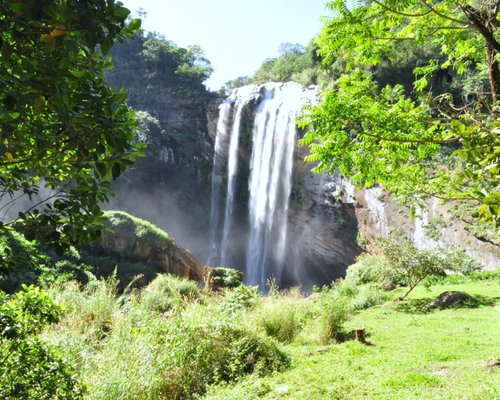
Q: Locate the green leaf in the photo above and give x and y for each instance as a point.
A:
(116, 170)
(77, 73)
(107, 44)
(135, 24)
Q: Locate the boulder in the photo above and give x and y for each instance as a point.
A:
(449, 299)
(132, 239)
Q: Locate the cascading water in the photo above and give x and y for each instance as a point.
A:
(232, 169)
(273, 134)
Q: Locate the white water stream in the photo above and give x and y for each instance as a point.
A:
(270, 180)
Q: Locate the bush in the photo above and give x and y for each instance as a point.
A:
(409, 264)
(165, 291)
(214, 352)
(334, 318)
(240, 297)
(369, 269)
(30, 368)
(220, 277)
(126, 271)
(333, 313)
(21, 261)
(359, 297)
(279, 320)
(457, 260)
(367, 296)
(126, 349)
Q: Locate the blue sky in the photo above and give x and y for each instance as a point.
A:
(236, 35)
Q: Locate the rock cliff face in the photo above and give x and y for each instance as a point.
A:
(171, 185)
(434, 226)
(320, 231)
(134, 240)
(327, 216)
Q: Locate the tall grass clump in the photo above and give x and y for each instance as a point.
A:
(281, 314)
(333, 313)
(166, 291)
(126, 347)
(279, 320)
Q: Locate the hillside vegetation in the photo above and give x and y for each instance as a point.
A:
(172, 340)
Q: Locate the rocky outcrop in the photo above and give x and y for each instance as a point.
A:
(132, 239)
(450, 299)
(433, 226)
(322, 230)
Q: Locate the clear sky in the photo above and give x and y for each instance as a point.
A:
(236, 35)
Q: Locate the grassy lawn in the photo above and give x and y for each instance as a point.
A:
(410, 354)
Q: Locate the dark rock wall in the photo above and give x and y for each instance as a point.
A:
(171, 185)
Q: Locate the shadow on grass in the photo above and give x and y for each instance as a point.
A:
(421, 306)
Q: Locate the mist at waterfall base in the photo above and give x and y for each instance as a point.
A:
(252, 182)
(168, 205)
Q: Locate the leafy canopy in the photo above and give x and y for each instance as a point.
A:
(64, 132)
(430, 143)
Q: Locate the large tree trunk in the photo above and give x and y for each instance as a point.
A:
(485, 23)
(493, 73)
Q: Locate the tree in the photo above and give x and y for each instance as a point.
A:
(408, 264)
(295, 63)
(64, 132)
(152, 67)
(426, 144)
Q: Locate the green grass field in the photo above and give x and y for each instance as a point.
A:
(410, 354)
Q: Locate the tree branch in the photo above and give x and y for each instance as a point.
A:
(473, 15)
(440, 14)
(392, 10)
(397, 140)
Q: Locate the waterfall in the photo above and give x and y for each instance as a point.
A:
(376, 208)
(232, 169)
(218, 172)
(273, 108)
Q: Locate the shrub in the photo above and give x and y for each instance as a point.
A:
(21, 261)
(367, 296)
(126, 271)
(220, 277)
(333, 313)
(30, 368)
(140, 353)
(334, 318)
(240, 297)
(369, 269)
(215, 352)
(457, 260)
(279, 320)
(409, 264)
(165, 291)
(64, 271)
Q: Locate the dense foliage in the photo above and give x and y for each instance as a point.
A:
(152, 68)
(431, 143)
(294, 63)
(29, 367)
(64, 132)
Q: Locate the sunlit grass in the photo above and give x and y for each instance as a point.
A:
(410, 354)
